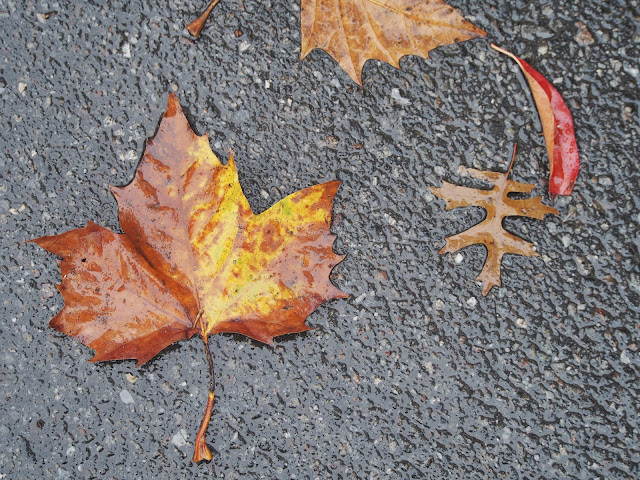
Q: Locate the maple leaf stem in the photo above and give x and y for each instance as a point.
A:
(201, 451)
(212, 384)
(195, 27)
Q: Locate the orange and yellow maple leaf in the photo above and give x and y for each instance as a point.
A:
(193, 257)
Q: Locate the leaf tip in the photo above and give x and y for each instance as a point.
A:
(508, 54)
(488, 279)
(498, 49)
(341, 294)
(173, 106)
(305, 51)
(332, 188)
(55, 322)
(33, 240)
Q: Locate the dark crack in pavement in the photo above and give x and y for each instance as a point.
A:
(416, 375)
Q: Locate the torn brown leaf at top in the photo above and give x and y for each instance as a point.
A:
(354, 31)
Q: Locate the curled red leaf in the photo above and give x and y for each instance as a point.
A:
(557, 126)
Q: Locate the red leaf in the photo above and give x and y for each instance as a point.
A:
(557, 125)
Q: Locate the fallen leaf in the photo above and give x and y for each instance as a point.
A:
(490, 232)
(193, 258)
(557, 126)
(354, 31)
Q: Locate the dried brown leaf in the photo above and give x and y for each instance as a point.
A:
(354, 31)
(490, 232)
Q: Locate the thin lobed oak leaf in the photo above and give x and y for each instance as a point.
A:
(193, 258)
(490, 232)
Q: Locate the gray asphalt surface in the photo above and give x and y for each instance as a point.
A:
(416, 375)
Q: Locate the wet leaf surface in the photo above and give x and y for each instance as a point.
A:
(354, 31)
(490, 232)
(193, 257)
(557, 126)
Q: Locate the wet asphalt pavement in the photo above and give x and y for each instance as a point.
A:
(416, 375)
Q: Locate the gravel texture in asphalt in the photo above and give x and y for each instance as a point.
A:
(416, 375)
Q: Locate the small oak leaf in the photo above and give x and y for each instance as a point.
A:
(490, 231)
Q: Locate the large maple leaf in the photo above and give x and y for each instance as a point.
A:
(490, 232)
(193, 258)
